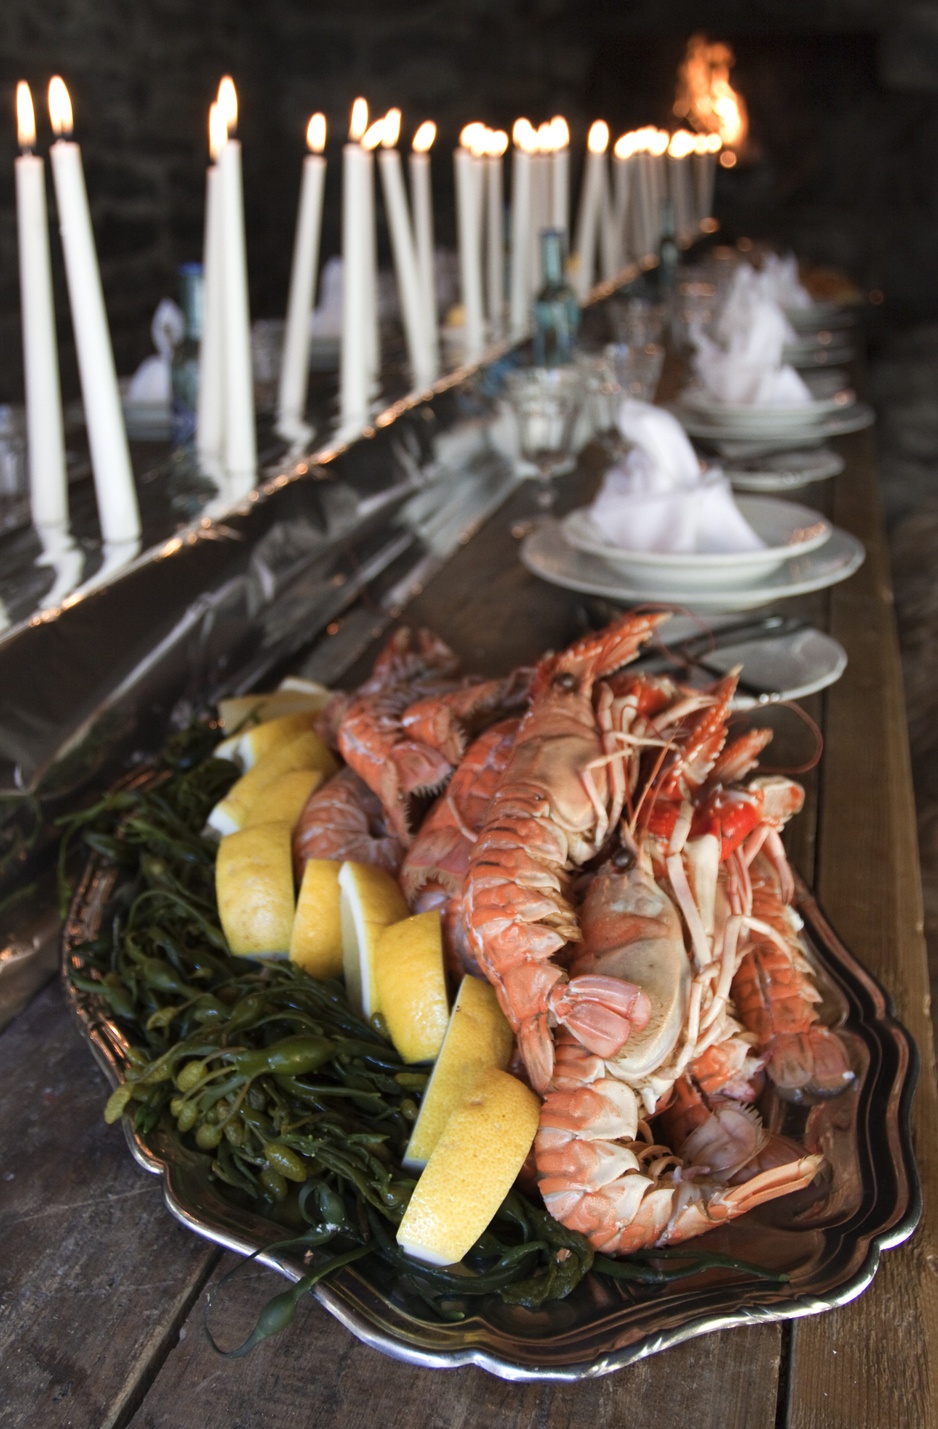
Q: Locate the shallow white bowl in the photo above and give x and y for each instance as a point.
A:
(787, 529)
(752, 415)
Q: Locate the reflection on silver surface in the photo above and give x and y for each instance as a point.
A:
(827, 1239)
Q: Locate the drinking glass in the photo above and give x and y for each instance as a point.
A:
(637, 367)
(546, 402)
(636, 321)
(603, 394)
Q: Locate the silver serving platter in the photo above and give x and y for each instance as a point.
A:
(828, 1238)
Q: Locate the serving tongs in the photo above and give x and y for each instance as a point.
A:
(697, 651)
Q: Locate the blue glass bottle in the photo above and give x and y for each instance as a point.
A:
(556, 311)
(184, 366)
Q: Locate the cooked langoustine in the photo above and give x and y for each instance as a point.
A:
(671, 914)
(409, 724)
(623, 1007)
(777, 997)
(435, 866)
(558, 801)
(602, 1171)
(344, 819)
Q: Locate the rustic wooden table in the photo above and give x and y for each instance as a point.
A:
(102, 1290)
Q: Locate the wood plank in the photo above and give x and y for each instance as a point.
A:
(315, 1373)
(95, 1274)
(860, 1364)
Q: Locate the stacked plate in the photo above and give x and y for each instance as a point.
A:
(822, 335)
(794, 425)
(802, 553)
(783, 471)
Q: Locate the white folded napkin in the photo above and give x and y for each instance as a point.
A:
(151, 381)
(780, 276)
(742, 363)
(657, 498)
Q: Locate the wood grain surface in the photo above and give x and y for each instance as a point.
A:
(103, 1292)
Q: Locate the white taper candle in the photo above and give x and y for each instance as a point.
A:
(48, 486)
(421, 197)
(353, 358)
(404, 252)
(467, 168)
(294, 368)
(210, 413)
(519, 285)
(107, 436)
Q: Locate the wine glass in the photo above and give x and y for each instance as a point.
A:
(603, 395)
(546, 402)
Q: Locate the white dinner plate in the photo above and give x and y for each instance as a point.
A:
(752, 414)
(742, 422)
(784, 471)
(786, 528)
(547, 553)
(820, 315)
(774, 667)
(812, 355)
(734, 443)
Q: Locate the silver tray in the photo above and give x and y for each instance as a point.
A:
(828, 1239)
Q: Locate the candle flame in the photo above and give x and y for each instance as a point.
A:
(316, 133)
(358, 122)
(472, 137)
(498, 143)
(25, 116)
(598, 139)
(228, 103)
(391, 131)
(681, 143)
(373, 134)
(524, 136)
(658, 141)
(545, 138)
(217, 131)
(626, 145)
(60, 107)
(560, 131)
(424, 137)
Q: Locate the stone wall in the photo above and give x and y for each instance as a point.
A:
(842, 94)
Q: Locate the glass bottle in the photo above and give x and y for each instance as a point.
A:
(556, 311)
(184, 367)
(668, 253)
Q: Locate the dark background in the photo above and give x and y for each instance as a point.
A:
(842, 94)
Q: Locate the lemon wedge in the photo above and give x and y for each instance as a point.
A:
(477, 1038)
(412, 985)
(316, 944)
(473, 1167)
(229, 748)
(235, 711)
(307, 751)
(270, 734)
(370, 899)
(282, 800)
(254, 888)
(297, 685)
